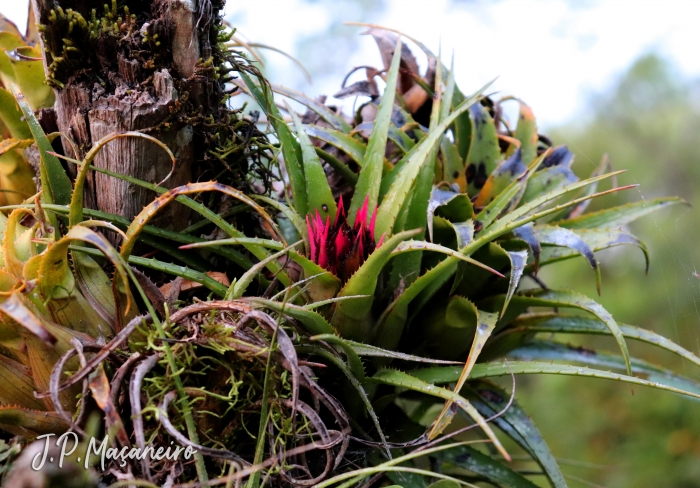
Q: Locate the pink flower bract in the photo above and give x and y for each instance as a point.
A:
(339, 248)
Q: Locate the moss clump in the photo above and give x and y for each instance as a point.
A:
(77, 46)
(232, 369)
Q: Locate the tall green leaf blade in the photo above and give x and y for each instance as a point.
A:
(559, 236)
(453, 165)
(393, 200)
(354, 148)
(526, 133)
(406, 268)
(403, 380)
(571, 299)
(544, 350)
(391, 175)
(446, 104)
(490, 400)
(11, 116)
(485, 324)
(319, 197)
(484, 152)
(620, 216)
(468, 458)
(54, 180)
(371, 174)
(449, 374)
(462, 129)
(518, 260)
(550, 323)
(290, 147)
(334, 119)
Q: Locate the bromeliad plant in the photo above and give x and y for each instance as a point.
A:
(413, 294)
(461, 206)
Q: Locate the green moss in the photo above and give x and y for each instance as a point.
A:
(224, 376)
(72, 41)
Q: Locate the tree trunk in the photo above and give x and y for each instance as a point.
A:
(135, 70)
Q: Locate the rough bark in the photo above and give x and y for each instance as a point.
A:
(131, 95)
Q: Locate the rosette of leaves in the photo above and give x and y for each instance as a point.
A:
(461, 207)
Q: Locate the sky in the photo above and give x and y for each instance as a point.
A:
(553, 54)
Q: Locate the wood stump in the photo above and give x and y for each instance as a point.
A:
(118, 91)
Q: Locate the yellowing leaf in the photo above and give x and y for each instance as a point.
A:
(17, 385)
(57, 283)
(29, 75)
(15, 308)
(30, 423)
(9, 144)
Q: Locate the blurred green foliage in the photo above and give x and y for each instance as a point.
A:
(649, 124)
